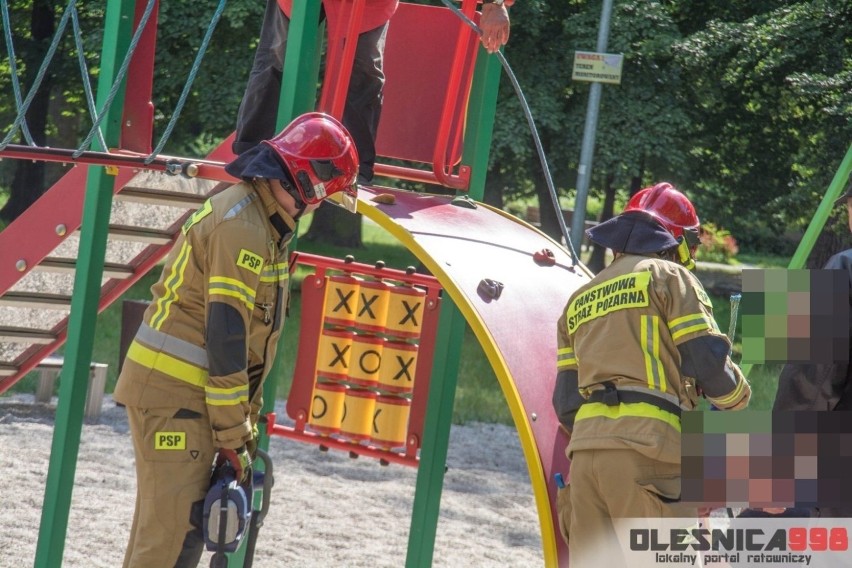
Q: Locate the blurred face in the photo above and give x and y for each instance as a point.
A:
(286, 200)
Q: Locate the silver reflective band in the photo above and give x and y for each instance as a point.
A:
(344, 200)
(349, 202)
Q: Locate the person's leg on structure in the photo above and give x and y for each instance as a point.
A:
(174, 456)
(258, 112)
(365, 96)
(593, 542)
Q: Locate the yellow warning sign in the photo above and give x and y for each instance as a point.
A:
(597, 67)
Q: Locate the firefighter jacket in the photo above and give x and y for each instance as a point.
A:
(620, 332)
(208, 339)
(824, 385)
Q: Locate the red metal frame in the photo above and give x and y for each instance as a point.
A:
(336, 83)
(465, 49)
(413, 28)
(137, 121)
(341, 54)
(203, 168)
(311, 325)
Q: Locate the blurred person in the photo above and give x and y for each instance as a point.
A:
(820, 386)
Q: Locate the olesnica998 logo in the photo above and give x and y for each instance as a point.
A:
(753, 545)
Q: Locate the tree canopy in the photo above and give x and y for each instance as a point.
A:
(746, 105)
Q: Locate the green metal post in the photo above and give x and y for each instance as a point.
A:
(822, 213)
(298, 93)
(817, 223)
(84, 303)
(301, 62)
(442, 386)
(436, 435)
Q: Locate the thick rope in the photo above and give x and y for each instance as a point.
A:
(118, 81)
(84, 72)
(528, 114)
(22, 111)
(188, 85)
(13, 68)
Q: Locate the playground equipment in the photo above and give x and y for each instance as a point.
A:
(489, 270)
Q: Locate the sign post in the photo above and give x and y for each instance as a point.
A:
(584, 170)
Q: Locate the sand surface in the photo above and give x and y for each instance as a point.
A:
(326, 508)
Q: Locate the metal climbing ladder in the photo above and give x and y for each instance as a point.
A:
(39, 254)
(92, 235)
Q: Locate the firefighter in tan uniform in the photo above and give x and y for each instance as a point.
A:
(635, 347)
(192, 380)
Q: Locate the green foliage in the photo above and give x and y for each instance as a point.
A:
(771, 115)
(717, 245)
(746, 105)
(211, 109)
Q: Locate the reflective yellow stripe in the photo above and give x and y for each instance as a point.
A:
(172, 284)
(219, 285)
(634, 409)
(202, 212)
(565, 358)
(275, 273)
(227, 397)
(688, 324)
(680, 333)
(650, 338)
(167, 365)
(727, 400)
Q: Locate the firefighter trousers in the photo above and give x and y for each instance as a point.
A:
(614, 484)
(174, 457)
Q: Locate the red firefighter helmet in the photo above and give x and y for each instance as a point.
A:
(321, 157)
(670, 208)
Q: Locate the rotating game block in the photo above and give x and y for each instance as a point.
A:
(341, 300)
(405, 312)
(333, 357)
(359, 405)
(390, 425)
(365, 360)
(327, 408)
(399, 361)
(372, 311)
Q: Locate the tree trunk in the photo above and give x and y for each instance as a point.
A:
(494, 191)
(335, 226)
(28, 183)
(635, 184)
(598, 258)
(547, 212)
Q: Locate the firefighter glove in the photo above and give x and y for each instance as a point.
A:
(251, 445)
(239, 459)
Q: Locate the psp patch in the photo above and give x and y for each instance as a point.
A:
(250, 261)
(169, 440)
